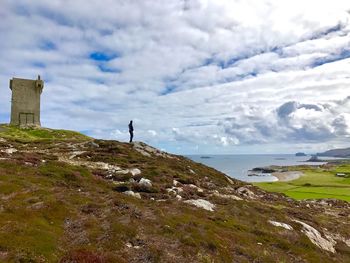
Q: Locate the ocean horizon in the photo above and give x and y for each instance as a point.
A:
(238, 165)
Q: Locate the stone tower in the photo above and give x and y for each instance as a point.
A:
(25, 107)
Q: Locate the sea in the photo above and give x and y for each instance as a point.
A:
(238, 166)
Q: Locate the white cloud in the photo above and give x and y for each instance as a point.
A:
(216, 70)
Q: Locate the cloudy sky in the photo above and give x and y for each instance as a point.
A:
(196, 76)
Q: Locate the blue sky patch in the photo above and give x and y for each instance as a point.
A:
(168, 89)
(38, 64)
(321, 61)
(105, 68)
(101, 56)
(47, 45)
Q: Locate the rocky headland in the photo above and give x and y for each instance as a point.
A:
(65, 197)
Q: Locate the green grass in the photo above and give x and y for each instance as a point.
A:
(314, 184)
(34, 134)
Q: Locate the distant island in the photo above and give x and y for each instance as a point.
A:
(342, 153)
(300, 154)
(206, 157)
(314, 158)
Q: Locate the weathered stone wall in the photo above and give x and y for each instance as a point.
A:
(25, 107)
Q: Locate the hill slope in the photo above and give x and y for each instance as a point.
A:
(75, 199)
(336, 153)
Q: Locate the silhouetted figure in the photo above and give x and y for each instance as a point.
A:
(131, 131)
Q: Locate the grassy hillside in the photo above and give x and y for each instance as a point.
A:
(73, 199)
(32, 134)
(316, 183)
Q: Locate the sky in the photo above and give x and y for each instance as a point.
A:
(195, 76)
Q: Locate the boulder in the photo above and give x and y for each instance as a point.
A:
(145, 182)
(133, 194)
(278, 224)
(201, 203)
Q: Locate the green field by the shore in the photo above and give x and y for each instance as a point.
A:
(316, 183)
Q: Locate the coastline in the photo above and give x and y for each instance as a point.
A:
(287, 176)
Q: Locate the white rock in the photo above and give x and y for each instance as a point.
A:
(133, 194)
(145, 182)
(246, 192)
(338, 237)
(2, 140)
(178, 197)
(120, 171)
(118, 182)
(148, 151)
(201, 203)
(174, 190)
(135, 171)
(233, 197)
(229, 180)
(175, 183)
(278, 224)
(316, 238)
(200, 190)
(192, 172)
(75, 153)
(129, 245)
(10, 150)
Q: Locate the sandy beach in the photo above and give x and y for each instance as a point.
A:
(287, 176)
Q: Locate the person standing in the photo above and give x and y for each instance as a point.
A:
(131, 131)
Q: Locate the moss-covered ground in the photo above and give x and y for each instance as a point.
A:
(316, 183)
(34, 134)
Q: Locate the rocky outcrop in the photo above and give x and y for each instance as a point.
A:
(326, 243)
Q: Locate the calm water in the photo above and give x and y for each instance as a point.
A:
(237, 166)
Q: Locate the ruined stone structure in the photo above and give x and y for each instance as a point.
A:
(25, 107)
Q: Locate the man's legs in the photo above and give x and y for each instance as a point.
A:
(131, 136)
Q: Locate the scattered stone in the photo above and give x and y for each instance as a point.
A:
(75, 154)
(244, 191)
(148, 151)
(135, 171)
(192, 172)
(201, 203)
(229, 180)
(338, 237)
(199, 190)
(37, 206)
(175, 183)
(2, 140)
(129, 245)
(316, 237)
(174, 190)
(145, 182)
(233, 197)
(92, 144)
(178, 197)
(278, 224)
(133, 194)
(10, 150)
